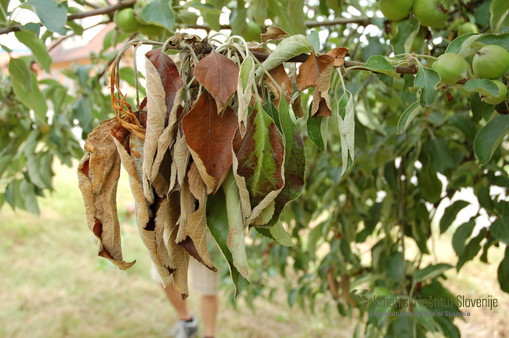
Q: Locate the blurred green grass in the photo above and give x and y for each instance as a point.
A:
(55, 285)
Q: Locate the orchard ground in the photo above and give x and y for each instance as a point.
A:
(54, 285)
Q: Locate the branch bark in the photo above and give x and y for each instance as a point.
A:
(98, 11)
(303, 57)
(361, 20)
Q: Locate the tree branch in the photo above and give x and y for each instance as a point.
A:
(361, 20)
(102, 10)
(261, 56)
(81, 15)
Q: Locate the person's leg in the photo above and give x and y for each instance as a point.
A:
(209, 309)
(179, 304)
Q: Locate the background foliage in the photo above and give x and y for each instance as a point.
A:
(374, 225)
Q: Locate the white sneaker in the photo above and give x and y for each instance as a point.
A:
(185, 329)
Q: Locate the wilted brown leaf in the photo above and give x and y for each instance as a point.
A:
(311, 71)
(178, 256)
(195, 228)
(258, 163)
(170, 77)
(145, 212)
(273, 33)
(339, 54)
(219, 75)
(283, 80)
(209, 138)
(98, 174)
(315, 72)
(163, 84)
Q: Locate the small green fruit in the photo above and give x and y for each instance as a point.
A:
(126, 21)
(451, 68)
(431, 13)
(151, 30)
(491, 62)
(467, 27)
(396, 9)
(502, 94)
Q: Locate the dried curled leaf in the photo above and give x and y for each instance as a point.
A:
(245, 91)
(209, 137)
(315, 72)
(98, 174)
(193, 237)
(163, 84)
(282, 80)
(146, 213)
(178, 257)
(273, 33)
(311, 71)
(219, 75)
(339, 54)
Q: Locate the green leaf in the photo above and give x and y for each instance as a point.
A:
(217, 222)
(408, 115)
(235, 241)
(471, 249)
(482, 86)
(314, 38)
(159, 13)
(52, 14)
(288, 48)
(450, 214)
(462, 233)
(39, 169)
(439, 154)
(295, 160)
(499, 15)
(479, 108)
(26, 89)
(500, 229)
(29, 39)
(495, 39)
(276, 232)
(246, 69)
(396, 267)
(456, 44)
(429, 183)
(346, 126)
(27, 191)
(430, 272)
(378, 64)
(315, 127)
(503, 272)
(296, 17)
(258, 162)
(259, 10)
(427, 79)
(402, 42)
(4, 4)
(489, 137)
(203, 8)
